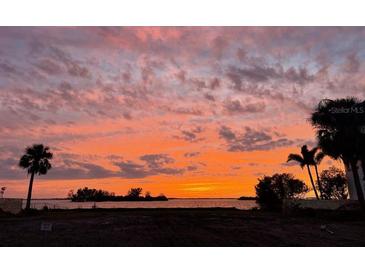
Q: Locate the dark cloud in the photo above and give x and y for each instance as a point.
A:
(226, 133)
(78, 71)
(192, 168)
(209, 97)
(154, 164)
(74, 68)
(48, 66)
(191, 154)
(191, 135)
(254, 74)
(198, 84)
(262, 74)
(67, 167)
(201, 83)
(251, 140)
(7, 68)
(185, 110)
(157, 160)
(300, 76)
(129, 169)
(71, 169)
(236, 107)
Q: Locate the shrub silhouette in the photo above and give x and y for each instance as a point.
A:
(271, 190)
(90, 194)
(334, 184)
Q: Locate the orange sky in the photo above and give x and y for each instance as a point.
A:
(188, 112)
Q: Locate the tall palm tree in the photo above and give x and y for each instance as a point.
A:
(307, 158)
(337, 123)
(36, 162)
(317, 159)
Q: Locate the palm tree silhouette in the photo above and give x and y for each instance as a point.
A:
(36, 161)
(317, 157)
(308, 158)
(338, 123)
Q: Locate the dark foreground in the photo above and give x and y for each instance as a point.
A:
(181, 227)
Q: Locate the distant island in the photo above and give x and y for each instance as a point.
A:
(98, 195)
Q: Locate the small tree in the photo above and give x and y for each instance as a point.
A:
(334, 184)
(271, 190)
(135, 193)
(148, 195)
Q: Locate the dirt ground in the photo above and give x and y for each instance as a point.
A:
(181, 227)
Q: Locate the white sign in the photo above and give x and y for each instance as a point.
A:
(46, 227)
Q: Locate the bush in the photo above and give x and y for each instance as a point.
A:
(271, 190)
(161, 197)
(90, 194)
(334, 184)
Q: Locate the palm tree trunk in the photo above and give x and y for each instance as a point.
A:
(314, 187)
(363, 167)
(29, 197)
(319, 182)
(360, 194)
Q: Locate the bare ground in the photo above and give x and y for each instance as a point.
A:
(182, 227)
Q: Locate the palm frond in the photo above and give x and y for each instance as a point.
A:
(36, 159)
(297, 158)
(319, 157)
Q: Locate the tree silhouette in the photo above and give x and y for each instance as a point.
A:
(272, 190)
(309, 158)
(338, 126)
(334, 184)
(134, 193)
(36, 162)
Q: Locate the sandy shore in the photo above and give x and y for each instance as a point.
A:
(181, 227)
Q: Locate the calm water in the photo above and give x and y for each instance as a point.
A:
(172, 203)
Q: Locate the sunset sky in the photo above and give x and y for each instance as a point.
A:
(184, 111)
